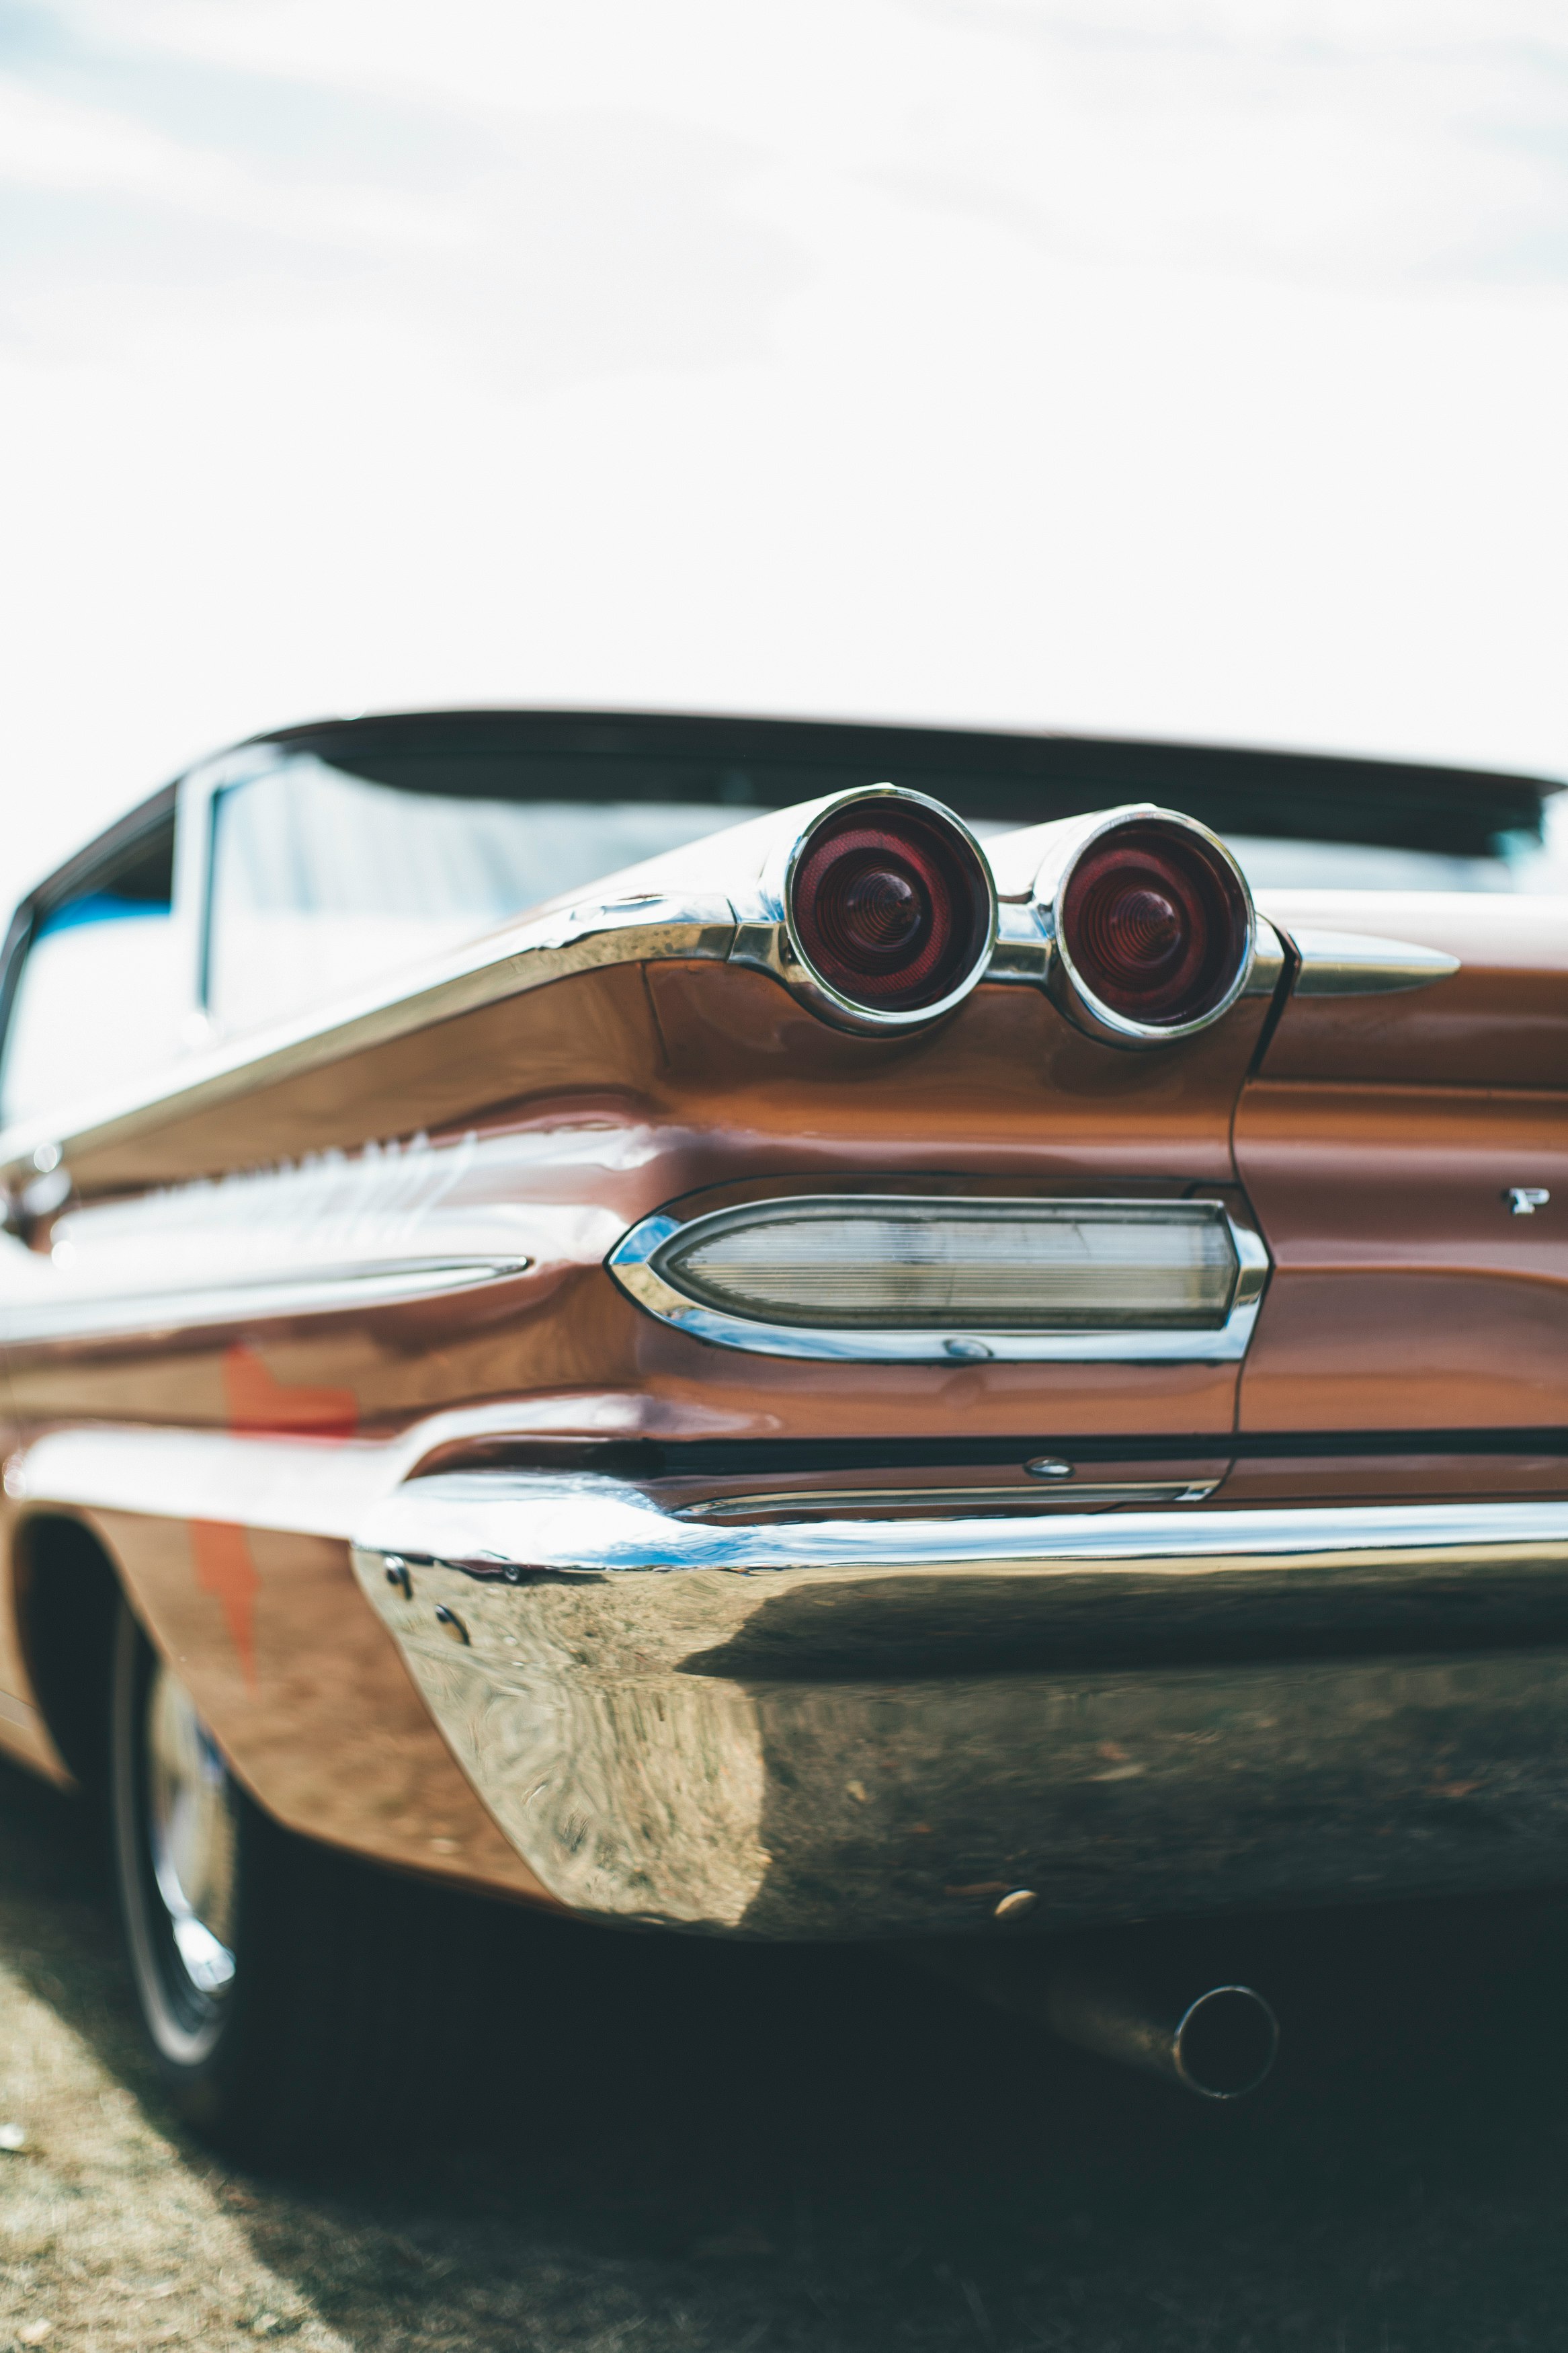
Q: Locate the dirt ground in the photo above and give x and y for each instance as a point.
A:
(655, 2145)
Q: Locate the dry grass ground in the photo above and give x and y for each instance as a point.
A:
(656, 2146)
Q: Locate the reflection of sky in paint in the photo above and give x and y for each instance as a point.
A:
(1189, 369)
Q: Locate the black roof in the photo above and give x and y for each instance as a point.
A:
(1018, 778)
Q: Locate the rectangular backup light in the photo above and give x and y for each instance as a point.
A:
(963, 1266)
(891, 1278)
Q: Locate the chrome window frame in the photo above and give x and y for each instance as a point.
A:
(631, 1265)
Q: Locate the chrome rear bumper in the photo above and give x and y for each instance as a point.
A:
(884, 1727)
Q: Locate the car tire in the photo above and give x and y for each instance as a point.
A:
(261, 1964)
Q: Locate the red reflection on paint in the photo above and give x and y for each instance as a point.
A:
(258, 1402)
(224, 1568)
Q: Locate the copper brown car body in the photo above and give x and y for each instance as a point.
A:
(475, 1567)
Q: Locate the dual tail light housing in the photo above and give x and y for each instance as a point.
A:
(889, 910)
(1153, 928)
(887, 917)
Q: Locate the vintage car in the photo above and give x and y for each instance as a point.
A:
(783, 1331)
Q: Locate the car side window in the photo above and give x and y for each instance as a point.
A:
(96, 1003)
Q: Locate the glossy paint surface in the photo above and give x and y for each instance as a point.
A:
(650, 1087)
(1404, 1287)
(268, 1631)
(1502, 1020)
(302, 1280)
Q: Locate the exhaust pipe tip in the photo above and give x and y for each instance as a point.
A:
(1220, 2043)
(1225, 2043)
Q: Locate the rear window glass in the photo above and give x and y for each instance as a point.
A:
(353, 852)
(324, 882)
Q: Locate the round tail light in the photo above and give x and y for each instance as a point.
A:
(1154, 927)
(892, 907)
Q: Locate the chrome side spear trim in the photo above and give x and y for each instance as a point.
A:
(641, 928)
(1358, 964)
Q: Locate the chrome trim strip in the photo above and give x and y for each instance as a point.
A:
(1267, 958)
(1359, 964)
(501, 1524)
(1026, 944)
(826, 1500)
(645, 927)
(630, 1263)
(395, 1221)
(294, 1482)
(322, 1291)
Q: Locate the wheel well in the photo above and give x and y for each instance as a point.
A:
(67, 1600)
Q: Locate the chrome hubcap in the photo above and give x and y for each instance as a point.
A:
(191, 1821)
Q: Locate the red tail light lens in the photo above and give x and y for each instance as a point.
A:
(890, 906)
(1155, 924)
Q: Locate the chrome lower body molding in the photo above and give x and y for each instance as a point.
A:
(882, 1728)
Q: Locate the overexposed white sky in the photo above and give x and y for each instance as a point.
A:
(1189, 367)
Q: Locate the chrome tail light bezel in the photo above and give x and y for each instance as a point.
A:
(791, 958)
(640, 1264)
(1068, 986)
